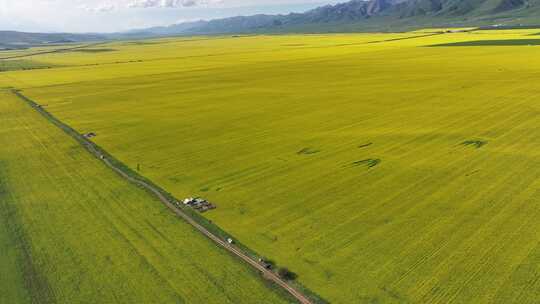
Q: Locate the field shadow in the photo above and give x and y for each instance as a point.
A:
(308, 151)
(365, 145)
(504, 42)
(104, 50)
(474, 143)
(369, 163)
(142, 42)
(22, 64)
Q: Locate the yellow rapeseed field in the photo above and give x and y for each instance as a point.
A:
(381, 168)
(73, 231)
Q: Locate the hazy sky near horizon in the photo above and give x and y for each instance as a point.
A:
(120, 15)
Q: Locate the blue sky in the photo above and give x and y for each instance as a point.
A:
(119, 15)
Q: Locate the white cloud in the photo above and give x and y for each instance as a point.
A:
(109, 6)
(99, 8)
(119, 15)
(170, 3)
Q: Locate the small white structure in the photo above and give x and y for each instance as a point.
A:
(188, 201)
(230, 241)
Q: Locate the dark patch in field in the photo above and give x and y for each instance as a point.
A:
(22, 64)
(474, 143)
(205, 189)
(404, 38)
(311, 262)
(307, 151)
(174, 179)
(328, 274)
(108, 259)
(142, 43)
(272, 238)
(287, 274)
(365, 145)
(368, 300)
(505, 42)
(162, 235)
(370, 162)
(393, 294)
(104, 50)
(386, 221)
(472, 173)
(242, 209)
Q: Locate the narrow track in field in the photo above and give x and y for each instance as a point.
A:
(53, 51)
(270, 275)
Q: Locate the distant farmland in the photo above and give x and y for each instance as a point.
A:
(378, 169)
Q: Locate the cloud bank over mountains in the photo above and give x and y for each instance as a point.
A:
(171, 3)
(106, 6)
(120, 15)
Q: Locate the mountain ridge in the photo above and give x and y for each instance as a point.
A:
(351, 16)
(359, 15)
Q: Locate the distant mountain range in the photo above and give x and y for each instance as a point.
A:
(15, 40)
(352, 16)
(372, 15)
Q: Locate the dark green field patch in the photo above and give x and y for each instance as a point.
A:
(474, 143)
(365, 145)
(308, 151)
(370, 162)
(22, 64)
(104, 50)
(142, 43)
(505, 42)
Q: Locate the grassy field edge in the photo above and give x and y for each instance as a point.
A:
(95, 149)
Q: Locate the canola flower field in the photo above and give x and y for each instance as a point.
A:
(380, 168)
